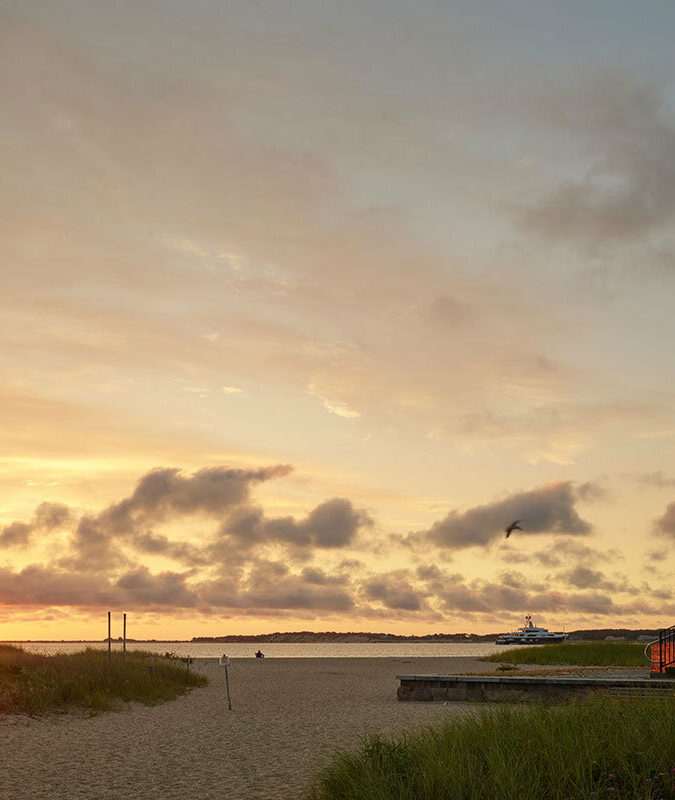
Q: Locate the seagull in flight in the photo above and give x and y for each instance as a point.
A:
(514, 526)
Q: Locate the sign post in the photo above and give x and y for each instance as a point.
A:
(225, 662)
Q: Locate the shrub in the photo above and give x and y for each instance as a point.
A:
(32, 683)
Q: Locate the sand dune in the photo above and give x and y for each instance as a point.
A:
(289, 716)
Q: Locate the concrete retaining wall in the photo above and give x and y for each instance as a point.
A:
(489, 688)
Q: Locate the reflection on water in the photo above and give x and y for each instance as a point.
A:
(313, 650)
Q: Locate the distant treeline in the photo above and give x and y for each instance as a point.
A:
(359, 637)
(602, 633)
(335, 636)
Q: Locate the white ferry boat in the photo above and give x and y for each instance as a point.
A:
(529, 634)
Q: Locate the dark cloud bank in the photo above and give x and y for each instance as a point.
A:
(249, 563)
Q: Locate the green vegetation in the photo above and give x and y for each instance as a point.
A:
(599, 654)
(35, 683)
(600, 748)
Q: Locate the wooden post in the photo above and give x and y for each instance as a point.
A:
(109, 655)
(124, 643)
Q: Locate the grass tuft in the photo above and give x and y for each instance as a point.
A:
(34, 683)
(610, 654)
(594, 748)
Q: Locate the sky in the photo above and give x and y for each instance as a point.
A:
(304, 302)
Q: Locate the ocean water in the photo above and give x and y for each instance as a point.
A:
(312, 650)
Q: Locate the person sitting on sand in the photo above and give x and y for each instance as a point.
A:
(260, 654)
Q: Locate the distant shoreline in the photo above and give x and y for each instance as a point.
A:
(350, 637)
(246, 640)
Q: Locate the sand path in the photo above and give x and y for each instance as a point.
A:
(290, 715)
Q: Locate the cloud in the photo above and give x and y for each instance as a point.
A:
(658, 480)
(40, 585)
(666, 523)
(334, 523)
(266, 587)
(591, 492)
(485, 597)
(582, 577)
(292, 592)
(656, 556)
(591, 603)
(563, 551)
(318, 576)
(547, 509)
(628, 188)
(117, 536)
(92, 547)
(141, 588)
(158, 544)
(48, 517)
(429, 572)
(271, 586)
(166, 492)
(138, 588)
(160, 495)
(331, 524)
(491, 597)
(335, 407)
(394, 591)
(556, 429)
(16, 534)
(236, 565)
(290, 202)
(448, 311)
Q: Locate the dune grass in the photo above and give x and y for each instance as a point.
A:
(596, 748)
(599, 654)
(34, 683)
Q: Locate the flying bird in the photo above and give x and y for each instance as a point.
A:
(514, 526)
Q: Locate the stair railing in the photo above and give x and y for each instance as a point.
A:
(665, 650)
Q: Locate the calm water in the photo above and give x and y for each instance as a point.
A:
(316, 650)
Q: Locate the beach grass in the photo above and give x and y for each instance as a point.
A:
(33, 683)
(599, 654)
(595, 748)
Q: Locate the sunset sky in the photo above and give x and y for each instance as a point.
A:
(303, 302)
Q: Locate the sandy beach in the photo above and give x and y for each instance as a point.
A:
(289, 716)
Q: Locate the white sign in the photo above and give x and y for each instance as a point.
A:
(224, 661)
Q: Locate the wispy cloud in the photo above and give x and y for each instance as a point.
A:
(334, 407)
(628, 189)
